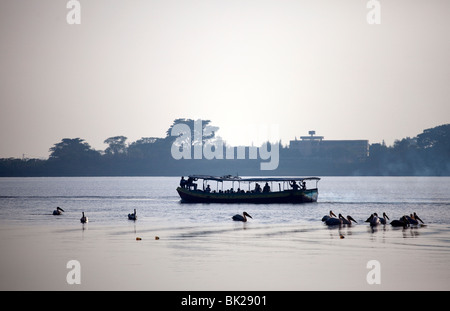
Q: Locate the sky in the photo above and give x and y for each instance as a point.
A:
(131, 67)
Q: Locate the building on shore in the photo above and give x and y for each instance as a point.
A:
(313, 146)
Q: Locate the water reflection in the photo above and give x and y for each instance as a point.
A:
(409, 231)
(343, 230)
(413, 232)
(373, 229)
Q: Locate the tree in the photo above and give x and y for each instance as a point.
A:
(117, 146)
(437, 137)
(404, 146)
(72, 149)
(198, 129)
(146, 147)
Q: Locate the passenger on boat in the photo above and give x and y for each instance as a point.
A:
(294, 185)
(257, 188)
(183, 182)
(208, 189)
(304, 185)
(266, 188)
(190, 183)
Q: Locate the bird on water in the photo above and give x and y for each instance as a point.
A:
(348, 220)
(384, 219)
(402, 222)
(242, 217)
(341, 220)
(375, 220)
(132, 216)
(83, 219)
(58, 211)
(326, 217)
(413, 219)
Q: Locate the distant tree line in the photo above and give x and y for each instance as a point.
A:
(427, 154)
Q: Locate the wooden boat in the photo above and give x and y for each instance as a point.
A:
(247, 190)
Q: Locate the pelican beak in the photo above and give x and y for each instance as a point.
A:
(249, 216)
(60, 209)
(332, 214)
(418, 218)
(351, 218)
(384, 214)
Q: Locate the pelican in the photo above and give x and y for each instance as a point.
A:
(58, 211)
(324, 218)
(132, 216)
(84, 219)
(413, 219)
(370, 218)
(348, 220)
(242, 217)
(383, 220)
(334, 221)
(417, 217)
(402, 222)
(375, 220)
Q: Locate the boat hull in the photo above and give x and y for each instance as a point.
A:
(286, 196)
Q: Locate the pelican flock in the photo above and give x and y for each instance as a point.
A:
(373, 220)
(242, 217)
(404, 221)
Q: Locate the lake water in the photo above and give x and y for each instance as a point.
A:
(108, 200)
(284, 246)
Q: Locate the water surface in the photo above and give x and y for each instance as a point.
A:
(284, 246)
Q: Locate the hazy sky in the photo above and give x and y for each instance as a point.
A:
(133, 66)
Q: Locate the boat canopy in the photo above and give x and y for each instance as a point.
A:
(252, 179)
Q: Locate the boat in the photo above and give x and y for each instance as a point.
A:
(233, 189)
